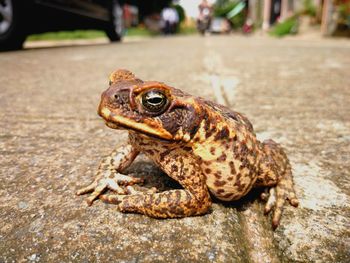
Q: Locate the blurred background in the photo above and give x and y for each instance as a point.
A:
(34, 20)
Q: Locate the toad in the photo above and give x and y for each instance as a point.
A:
(206, 147)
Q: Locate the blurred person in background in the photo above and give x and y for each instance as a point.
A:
(170, 20)
(204, 17)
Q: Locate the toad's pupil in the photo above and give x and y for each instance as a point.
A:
(155, 100)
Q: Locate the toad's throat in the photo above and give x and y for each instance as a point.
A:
(117, 122)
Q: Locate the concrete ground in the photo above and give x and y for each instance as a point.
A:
(51, 141)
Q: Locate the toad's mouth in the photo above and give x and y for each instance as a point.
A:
(119, 122)
(112, 125)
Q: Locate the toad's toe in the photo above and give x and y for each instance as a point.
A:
(87, 189)
(271, 201)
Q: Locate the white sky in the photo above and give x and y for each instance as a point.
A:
(191, 6)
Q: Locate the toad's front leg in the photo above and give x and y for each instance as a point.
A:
(108, 174)
(194, 199)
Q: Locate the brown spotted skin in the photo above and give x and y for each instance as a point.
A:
(206, 147)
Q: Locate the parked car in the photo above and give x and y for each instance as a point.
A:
(19, 18)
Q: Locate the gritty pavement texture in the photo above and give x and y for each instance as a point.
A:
(51, 141)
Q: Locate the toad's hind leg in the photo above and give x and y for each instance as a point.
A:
(275, 171)
(283, 191)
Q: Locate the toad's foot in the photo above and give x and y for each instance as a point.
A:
(113, 181)
(277, 198)
(276, 172)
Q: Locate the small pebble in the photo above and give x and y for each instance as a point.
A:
(22, 205)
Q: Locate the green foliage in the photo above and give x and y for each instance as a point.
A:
(222, 8)
(187, 30)
(309, 8)
(139, 31)
(344, 13)
(290, 26)
(181, 12)
(92, 34)
(77, 34)
(87, 34)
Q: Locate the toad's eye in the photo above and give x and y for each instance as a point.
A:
(154, 101)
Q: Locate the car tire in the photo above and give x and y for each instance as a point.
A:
(12, 33)
(115, 28)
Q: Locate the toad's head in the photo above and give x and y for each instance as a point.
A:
(150, 108)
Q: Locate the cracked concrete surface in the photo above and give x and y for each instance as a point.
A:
(51, 141)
